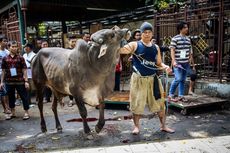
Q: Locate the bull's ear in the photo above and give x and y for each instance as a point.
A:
(102, 51)
(127, 35)
(116, 28)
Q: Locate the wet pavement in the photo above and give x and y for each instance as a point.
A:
(17, 135)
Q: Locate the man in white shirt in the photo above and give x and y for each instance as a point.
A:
(86, 36)
(28, 56)
(3, 52)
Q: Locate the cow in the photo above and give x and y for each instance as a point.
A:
(86, 73)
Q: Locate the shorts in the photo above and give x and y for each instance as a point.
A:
(192, 74)
(141, 93)
(3, 92)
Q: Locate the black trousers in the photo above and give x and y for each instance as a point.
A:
(21, 90)
(117, 81)
(47, 93)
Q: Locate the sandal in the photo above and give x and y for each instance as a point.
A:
(26, 117)
(70, 103)
(171, 99)
(7, 112)
(10, 116)
(183, 99)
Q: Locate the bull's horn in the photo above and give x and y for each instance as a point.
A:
(116, 28)
(102, 51)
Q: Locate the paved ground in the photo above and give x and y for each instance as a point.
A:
(219, 144)
(17, 135)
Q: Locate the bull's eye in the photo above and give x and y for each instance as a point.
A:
(112, 35)
(100, 40)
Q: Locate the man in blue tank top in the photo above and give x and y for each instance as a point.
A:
(145, 87)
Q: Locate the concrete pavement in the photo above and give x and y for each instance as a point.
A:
(18, 135)
(220, 144)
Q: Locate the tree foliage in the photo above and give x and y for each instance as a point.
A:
(163, 4)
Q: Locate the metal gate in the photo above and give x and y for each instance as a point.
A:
(10, 25)
(3, 25)
(209, 32)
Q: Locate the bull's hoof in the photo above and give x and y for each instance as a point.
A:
(43, 129)
(59, 129)
(87, 130)
(98, 128)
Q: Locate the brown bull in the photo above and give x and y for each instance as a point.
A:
(86, 73)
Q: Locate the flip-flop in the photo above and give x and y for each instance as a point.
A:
(26, 117)
(10, 117)
(70, 105)
(183, 99)
(7, 112)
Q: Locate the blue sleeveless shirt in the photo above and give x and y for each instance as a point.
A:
(144, 59)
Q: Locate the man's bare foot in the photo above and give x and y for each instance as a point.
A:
(168, 130)
(136, 131)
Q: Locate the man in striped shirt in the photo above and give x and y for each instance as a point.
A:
(180, 53)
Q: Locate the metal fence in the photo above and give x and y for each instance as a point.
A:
(209, 30)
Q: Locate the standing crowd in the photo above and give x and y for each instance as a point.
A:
(16, 75)
(145, 86)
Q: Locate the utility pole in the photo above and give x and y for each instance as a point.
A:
(21, 23)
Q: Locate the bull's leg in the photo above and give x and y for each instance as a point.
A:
(40, 106)
(101, 121)
(83, 113)
(54, 108)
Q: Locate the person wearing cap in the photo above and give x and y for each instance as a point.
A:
(181, 52)
(145, 87)
(28, 56)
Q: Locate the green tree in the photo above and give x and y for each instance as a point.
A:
(163, 4)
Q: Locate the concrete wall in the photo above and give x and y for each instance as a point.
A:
(211, 88)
